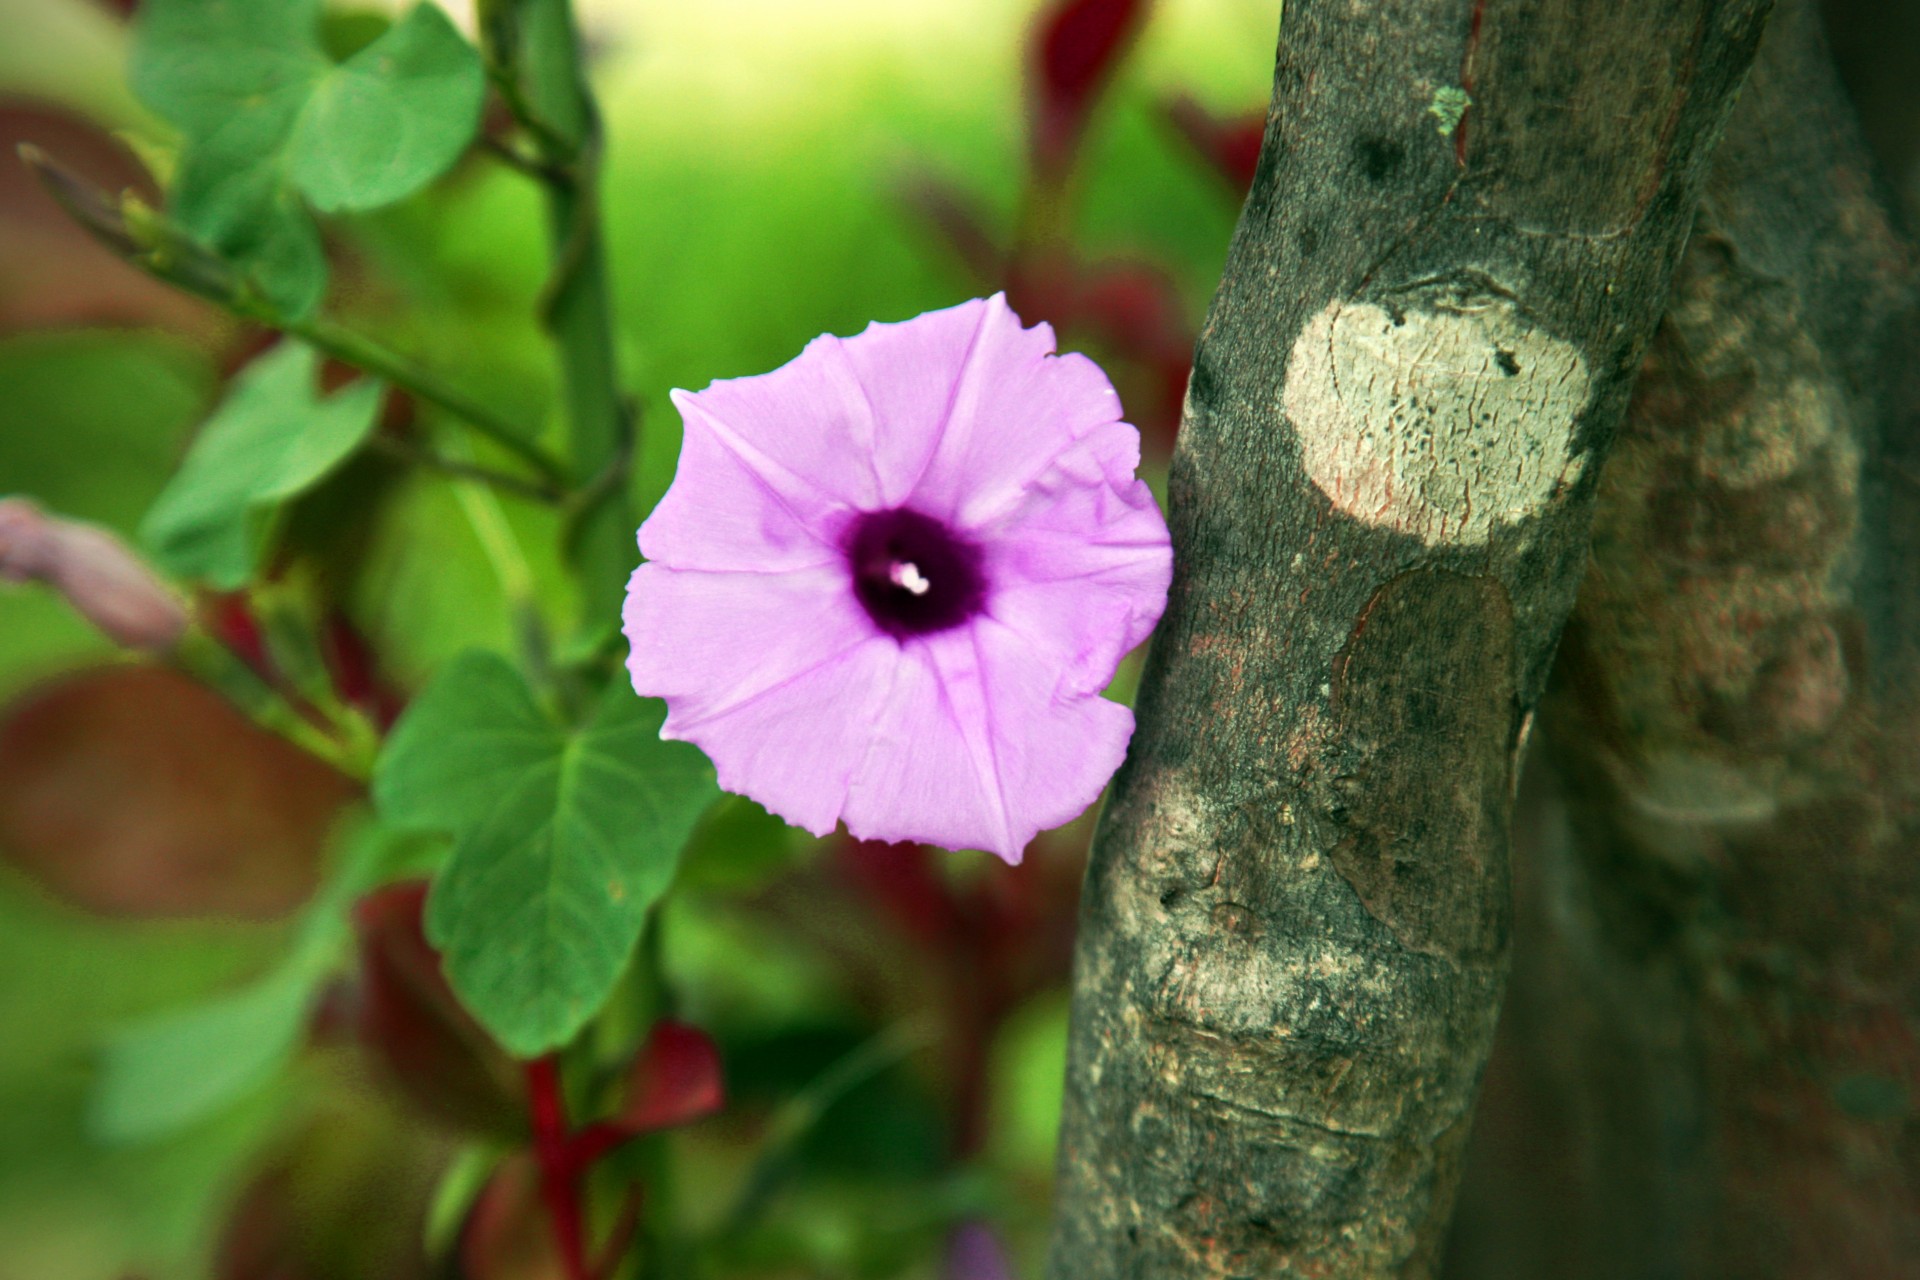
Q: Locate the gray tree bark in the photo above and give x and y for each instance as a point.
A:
(1294, 928)
(1717, 1014)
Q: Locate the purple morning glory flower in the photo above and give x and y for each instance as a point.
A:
(892, 577)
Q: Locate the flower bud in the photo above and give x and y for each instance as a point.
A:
(99, 575)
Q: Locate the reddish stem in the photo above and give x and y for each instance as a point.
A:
(559, 1173)
(593, 1142)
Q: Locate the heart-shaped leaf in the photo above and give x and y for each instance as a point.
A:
(269, 118)
(390, 119)
(564, 839)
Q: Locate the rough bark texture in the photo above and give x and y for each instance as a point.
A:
(1722, 1019)
(1294, 929)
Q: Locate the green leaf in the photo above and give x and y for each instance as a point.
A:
(739, 846)
(200, 63)
(234, 76)
(465, 741)
(166, 1072)
(269, 117)
(564, 839)
(390, 119)
(272, 438)
(1027, 1072)
(174, 1068)
(223, 196)
(459, 1186)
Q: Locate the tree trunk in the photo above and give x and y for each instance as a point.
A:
(1723, 1015)
(1294, 928)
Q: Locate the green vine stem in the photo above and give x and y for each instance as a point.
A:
(534, 47)
(143, 237)
(212, 664)
(390, 366)
(533, 51)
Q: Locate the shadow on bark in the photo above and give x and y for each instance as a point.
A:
(1709, 1063)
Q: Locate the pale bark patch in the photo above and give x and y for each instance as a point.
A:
(1444, 423)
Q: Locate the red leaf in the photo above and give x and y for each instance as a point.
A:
(232, 623)
(1076, 47)
(408, 1016)
(356, 671)
(136, 791)
(1230, 143)
(507, 1235)
(1136, 310)
(675, 1080)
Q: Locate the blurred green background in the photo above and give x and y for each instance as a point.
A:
(774, 170)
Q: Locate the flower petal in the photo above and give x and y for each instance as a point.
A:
(722, 513)
(1081, 566)
(806, 428)
(911, 373)
(973, 750)
(1015, 407)
(774, 676)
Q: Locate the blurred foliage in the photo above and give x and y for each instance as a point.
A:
(890, 1027)
(70, 1206)
(268, 118)
(122, 402)
(270, 440)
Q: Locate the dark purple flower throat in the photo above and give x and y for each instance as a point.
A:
(914, 575)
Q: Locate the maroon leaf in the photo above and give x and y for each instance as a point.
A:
(905, 882)
(356, 671)
(229, 620)
(408, 1017)
(257, 1241)
(1076, 47)
(135, 791)
(1231, 144)
(675, 1080)
(1136, 310)
(507, 1235)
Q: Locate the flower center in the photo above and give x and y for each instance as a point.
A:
(913, 574)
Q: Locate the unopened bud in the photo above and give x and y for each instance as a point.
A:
(89, 206)
(134, 231)
(99, 575)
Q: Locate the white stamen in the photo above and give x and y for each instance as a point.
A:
(905, 573)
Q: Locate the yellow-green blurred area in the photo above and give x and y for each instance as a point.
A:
(774, 170)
